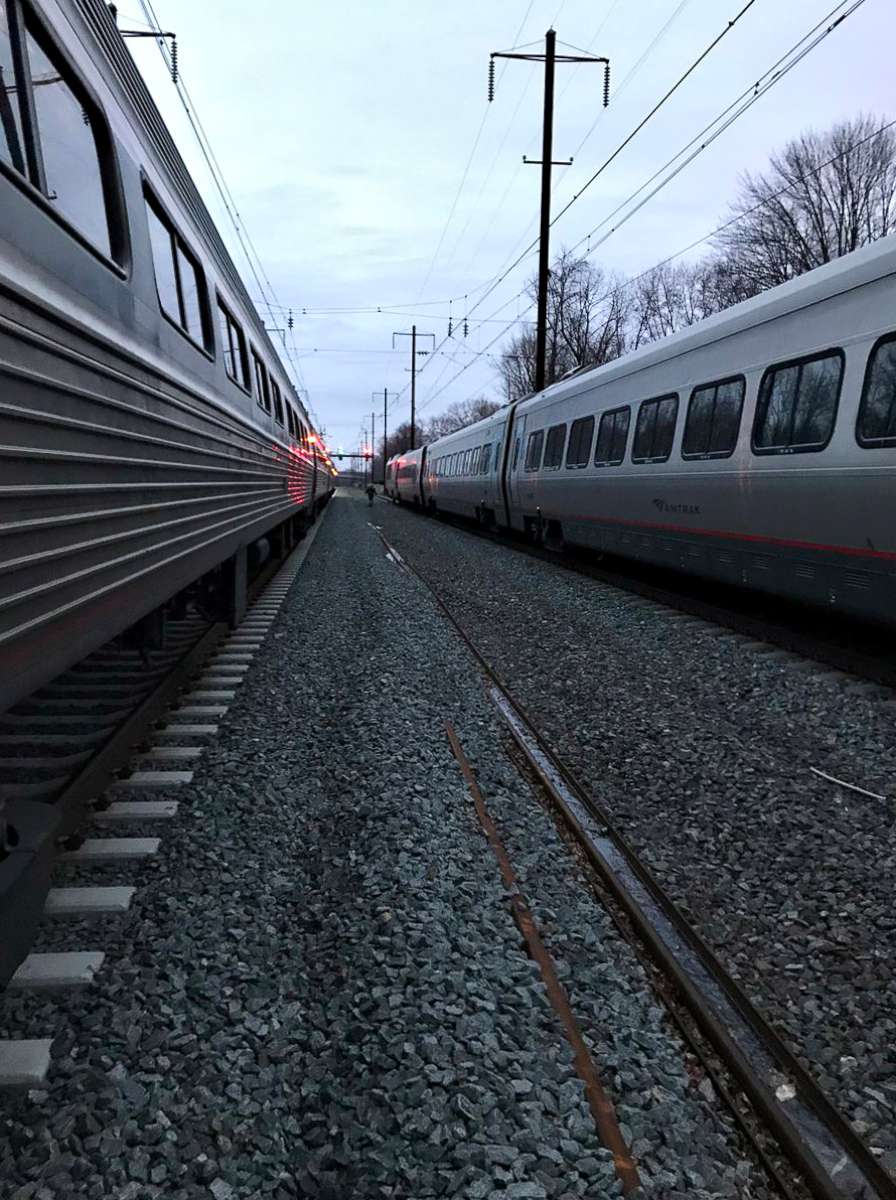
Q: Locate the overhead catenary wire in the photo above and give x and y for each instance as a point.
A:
(504, 272)
(771, 77)
(565, 168)
(766, 200)
(250, 252)
(720, 124)
(466, 170)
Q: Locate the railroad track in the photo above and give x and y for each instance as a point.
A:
(829, 1159)
(853, 647)
(165, 752)
(64, 745)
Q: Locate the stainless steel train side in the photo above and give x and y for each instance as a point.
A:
(581, 464)
(133, 462)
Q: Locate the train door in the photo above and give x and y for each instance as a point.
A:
(515, 454)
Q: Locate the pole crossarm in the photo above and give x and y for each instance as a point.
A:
(558, 58)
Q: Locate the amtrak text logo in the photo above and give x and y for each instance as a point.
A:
(664, 507)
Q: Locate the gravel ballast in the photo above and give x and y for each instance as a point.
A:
(319, 990)
(701, 744)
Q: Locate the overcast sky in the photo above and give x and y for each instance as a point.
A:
(344, 129)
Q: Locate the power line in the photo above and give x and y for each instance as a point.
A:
(618, 90)
(205, 146)
(634, 279)
(504, 272)
(766, 81)
(466, 171)
(773, 75)
(655, 41)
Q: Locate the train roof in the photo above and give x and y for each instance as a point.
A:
(849, 271)
(842, 275)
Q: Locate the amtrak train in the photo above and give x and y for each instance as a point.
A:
(757, 447)
(149, 434)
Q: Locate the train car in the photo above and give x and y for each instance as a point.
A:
(149, 433)
(408, 472)
(389, 481)
(756, 447)
(464, 470)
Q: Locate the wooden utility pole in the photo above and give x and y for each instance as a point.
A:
(413, 335)
(549, 58)
(375, 396)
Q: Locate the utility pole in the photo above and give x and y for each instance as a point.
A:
(413, 335)
(372, 449)
(549, 58)
(375, 396)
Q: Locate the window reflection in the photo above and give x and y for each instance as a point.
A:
(798, 404)
(877, 414)
(189, 287)
(12, 144)
(71, 162)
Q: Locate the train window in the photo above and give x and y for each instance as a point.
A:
(468, 454)
(497, 461)
(233, 342)
(612, 436)
(293, 420)
(278, 401)
(72, 172)
(484, 461)
(180, 284)
(474, 460)
(262, 393)
(12, 141)
(655, 429)
(876, 426)
(713, 420)
(192, 294)
(797, 405)
(553, 448)
(160, 238)
(533, 450)
(578, 452)
(516, 454)
(51, 133)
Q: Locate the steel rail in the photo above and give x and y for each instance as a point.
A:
(678, 592)
(833, 1161)
(602, 1108)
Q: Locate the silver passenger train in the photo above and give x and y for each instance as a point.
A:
(148, 432)
(757, 447)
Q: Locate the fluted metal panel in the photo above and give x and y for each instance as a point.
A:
(116, 489)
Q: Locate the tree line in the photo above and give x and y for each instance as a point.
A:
(821, 196)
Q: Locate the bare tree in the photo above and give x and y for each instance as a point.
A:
(587, 313)
(824, 195)
(669, 298)
(459, 415)
(398, 442)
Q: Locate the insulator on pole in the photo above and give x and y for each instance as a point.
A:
(466, 328)
(491, 80)
(450, 327)
(174, 60)
(289, 320)
(606, 84)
